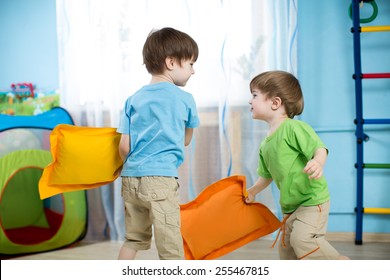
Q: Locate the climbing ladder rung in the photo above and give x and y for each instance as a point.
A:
(376, 76)
(376, 210)
(374, 28)
(376, 121)
(377, 165)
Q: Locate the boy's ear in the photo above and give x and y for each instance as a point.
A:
(276, 103)
(169, 62)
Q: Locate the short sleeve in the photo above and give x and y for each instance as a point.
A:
(262, 167)
(193, 118)
(124, 121)
(304, 139)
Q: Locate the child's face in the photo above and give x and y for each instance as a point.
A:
(261, 106)
(182, 73)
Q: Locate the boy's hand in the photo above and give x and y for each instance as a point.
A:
(249, 198)
(260, 185)
(314, 169)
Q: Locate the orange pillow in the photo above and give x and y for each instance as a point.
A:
(218, 221)
(83, 158)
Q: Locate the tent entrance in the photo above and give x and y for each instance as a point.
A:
(25, 218)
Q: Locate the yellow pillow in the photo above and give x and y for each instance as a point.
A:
(83, 158)
(218, 221)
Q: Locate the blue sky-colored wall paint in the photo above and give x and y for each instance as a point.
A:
(28, 52)
(325, 63)
(28, 44)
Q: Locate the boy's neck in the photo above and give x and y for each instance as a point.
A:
(275, 123)
(160, 78)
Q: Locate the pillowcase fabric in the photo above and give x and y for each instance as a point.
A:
(218, 221)
(83, 158)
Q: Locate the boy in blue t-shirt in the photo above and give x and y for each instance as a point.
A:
(156, 123)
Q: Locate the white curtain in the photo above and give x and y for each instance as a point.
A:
(100, 52)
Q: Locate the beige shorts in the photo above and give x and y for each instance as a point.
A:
(303, 235)
(151, 204)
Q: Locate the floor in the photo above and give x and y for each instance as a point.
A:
(257, 250)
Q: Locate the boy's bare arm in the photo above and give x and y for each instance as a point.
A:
(188, 136)
(260, 185)
(124, 146)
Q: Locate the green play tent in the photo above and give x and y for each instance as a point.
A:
(27, 223)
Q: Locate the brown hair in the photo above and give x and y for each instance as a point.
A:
(167, 42)
(283, 85)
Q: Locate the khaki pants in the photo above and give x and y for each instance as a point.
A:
(152, 202)
(303, 235)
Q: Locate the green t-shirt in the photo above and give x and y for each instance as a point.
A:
(283, 155)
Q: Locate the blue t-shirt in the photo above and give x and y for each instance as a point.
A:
(155, 117)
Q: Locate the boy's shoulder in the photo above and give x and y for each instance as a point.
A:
(162, 86)
(165, 90)
(295, 125)
(296, 122)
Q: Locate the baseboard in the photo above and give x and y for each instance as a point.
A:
(350, 236)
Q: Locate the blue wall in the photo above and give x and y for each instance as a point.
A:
(28, 45)
(325, 55)
(28, 53)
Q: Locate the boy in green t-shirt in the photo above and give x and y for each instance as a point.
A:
(293, 156)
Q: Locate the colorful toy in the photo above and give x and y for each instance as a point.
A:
(23, 90)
